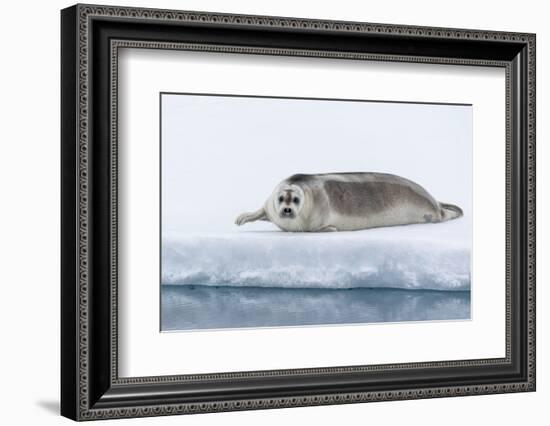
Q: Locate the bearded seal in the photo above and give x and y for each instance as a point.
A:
(349, 202)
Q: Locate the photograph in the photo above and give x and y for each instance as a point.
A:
(263, 209)
(292, 212)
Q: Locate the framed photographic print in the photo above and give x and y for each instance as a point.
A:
(263, 212)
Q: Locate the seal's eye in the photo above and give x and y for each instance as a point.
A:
(281, 199)
(295, 200)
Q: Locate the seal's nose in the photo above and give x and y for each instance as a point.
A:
(287, 210)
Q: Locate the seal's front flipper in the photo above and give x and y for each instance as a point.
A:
(328, 228)
(251, 217)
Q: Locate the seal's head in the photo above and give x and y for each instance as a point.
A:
(288, 201)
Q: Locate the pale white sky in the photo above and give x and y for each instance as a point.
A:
(224, 155)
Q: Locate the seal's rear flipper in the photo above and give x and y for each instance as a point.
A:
(450, 211)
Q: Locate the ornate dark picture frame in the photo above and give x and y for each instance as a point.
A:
(90, 386)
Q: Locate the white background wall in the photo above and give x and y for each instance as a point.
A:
(29, 212)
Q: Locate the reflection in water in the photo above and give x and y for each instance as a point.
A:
(185, 307)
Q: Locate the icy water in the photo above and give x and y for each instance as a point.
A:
(190, 307)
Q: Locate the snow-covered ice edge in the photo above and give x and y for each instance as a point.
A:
(386, 258)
